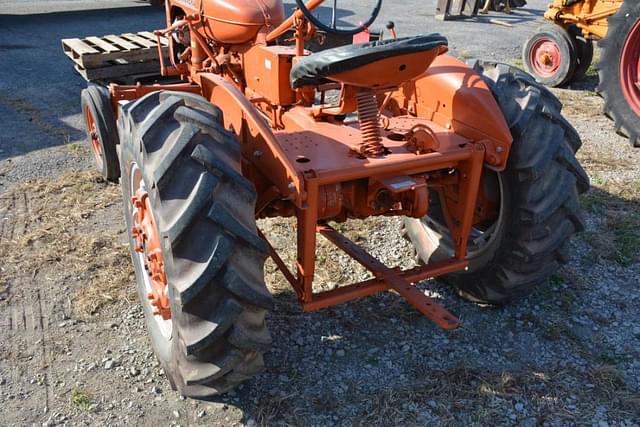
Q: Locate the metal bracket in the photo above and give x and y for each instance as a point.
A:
(393, 279)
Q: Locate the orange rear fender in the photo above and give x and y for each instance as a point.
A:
(454, 96)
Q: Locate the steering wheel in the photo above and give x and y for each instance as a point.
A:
(333, 29)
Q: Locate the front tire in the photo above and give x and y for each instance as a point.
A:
(176, 151)
(550, 56)
(101, 130)
(538, 209)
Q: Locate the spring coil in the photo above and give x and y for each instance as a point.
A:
(371, 145)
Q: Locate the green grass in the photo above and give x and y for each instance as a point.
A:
(626, 238)
(81, 399)
(75, 148)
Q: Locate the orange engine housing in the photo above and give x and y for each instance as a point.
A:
(239, 21)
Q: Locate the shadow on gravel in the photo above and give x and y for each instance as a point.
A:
(589, 83)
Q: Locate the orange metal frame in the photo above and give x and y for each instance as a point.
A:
(589, 15)
(438, 131)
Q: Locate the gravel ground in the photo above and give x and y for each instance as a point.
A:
(73, 346)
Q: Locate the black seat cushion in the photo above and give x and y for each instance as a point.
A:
(316, 68)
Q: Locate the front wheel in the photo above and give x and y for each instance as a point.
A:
(198, 258)
(550, 56)
(101, 130)
(529, 211)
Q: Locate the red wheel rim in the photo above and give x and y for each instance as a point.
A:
(630, 69)
(148, 244)
(545, 57)
(94, 139)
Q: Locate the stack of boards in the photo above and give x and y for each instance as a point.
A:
(112, 57)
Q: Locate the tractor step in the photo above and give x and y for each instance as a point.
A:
(110, 57)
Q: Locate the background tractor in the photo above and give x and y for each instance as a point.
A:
(562, 53)
(477, 158)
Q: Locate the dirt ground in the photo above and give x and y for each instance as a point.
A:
(73, 345)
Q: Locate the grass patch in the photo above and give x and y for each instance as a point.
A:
(616, 203)
(626, 238)
(556, 331)
(452, 393)
(81, 399)
(592, 71)
(76, 148)
(63, 237)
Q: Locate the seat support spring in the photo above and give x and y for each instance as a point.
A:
(371, 145)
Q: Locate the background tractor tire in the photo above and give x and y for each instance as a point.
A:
(584, 53)
(537, 196)
(214, 258)
(550, 56)
(618, 71)
(101, 130)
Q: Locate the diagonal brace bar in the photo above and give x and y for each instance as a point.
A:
(393, 279)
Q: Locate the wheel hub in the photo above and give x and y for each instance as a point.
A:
(545, 57)
(94, 137)
(147, 242)
(630, 69)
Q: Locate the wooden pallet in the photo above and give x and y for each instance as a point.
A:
(453, 9)
(115, 56)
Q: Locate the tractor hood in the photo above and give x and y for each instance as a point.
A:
(238, 21)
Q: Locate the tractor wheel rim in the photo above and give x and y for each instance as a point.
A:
(94, 138)
(480, 237)
(545, 57)
(630, 69)
(148, 253)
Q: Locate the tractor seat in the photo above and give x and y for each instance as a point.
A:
(383, 63)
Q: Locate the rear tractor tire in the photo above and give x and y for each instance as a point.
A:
(619, 71)
(535, 199)
(101, 130)
(550, 56)
(198, 258)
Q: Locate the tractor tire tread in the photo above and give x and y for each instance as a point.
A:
(545, 180)
(204, 211)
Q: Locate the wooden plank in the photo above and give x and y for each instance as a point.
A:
(140, 40)
(103, 44)
(152, 37)
(119, 41)
(456, 7)
(442, 9)
(470, 8)
(78, 46)
(114, 71)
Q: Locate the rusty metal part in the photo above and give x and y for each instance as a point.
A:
(392, 279)
(96, 144)
(371, 145)
(147, 242)
(421, 139)
(291, 21)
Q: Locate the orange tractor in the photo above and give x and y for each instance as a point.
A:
(562, 53)
(477, 158)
